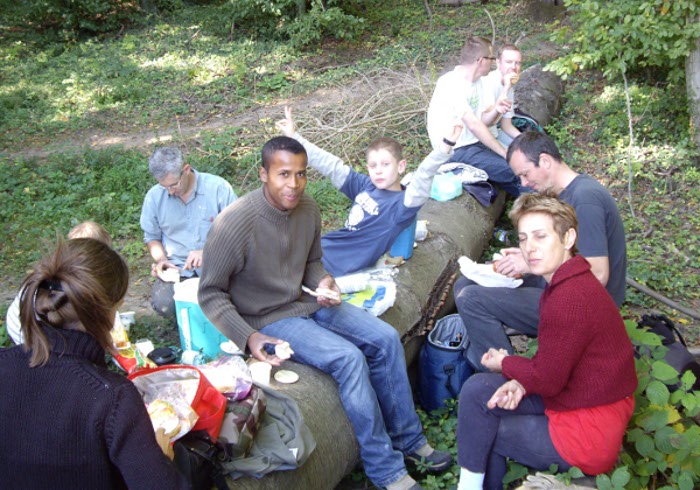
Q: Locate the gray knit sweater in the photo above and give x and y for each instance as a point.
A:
(255, 260)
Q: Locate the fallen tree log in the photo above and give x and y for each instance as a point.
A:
(458, 227)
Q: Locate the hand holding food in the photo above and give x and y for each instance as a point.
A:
(324, 292)
(169, 274)
(496, 260)
(283, 350)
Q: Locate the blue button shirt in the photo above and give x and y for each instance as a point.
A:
(183, 227)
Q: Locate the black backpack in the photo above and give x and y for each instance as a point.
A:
(198, 457)
(677, 355)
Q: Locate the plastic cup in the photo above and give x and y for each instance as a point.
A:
(127, 318)
(260, 371)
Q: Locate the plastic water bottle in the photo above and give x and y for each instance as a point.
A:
(501, 235)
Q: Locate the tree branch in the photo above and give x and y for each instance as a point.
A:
(663, 299)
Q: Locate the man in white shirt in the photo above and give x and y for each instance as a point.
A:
(462, 94)
(500, 82)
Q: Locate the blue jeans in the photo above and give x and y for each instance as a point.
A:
(365, 357)
(484, 312)
(486, 437)
(480, 156)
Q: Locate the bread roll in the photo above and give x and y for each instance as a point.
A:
(163, 416)
(283, 350)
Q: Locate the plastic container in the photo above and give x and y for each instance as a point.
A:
(353, 283)
(446, 186)
(403, 245)
(196, 331)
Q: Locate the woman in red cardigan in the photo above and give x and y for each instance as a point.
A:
(570, 404)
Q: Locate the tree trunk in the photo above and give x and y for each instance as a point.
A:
(692, 81)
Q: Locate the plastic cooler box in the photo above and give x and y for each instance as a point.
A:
(403, 245)
(196, 331)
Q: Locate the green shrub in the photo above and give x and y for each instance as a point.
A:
(657, 36)
(79, 16)
(320, 22)
(662, 444)
(289, 19)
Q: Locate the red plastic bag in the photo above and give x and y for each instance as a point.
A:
(177, 381)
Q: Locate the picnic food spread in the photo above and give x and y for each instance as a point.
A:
(163, 416)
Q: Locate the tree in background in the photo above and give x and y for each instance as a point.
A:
(653, 39)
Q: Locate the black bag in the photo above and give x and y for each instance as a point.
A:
(525, 122)
(443, 366)
(677, 355)
(198, 457)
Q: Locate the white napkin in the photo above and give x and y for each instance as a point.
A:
(484, 275)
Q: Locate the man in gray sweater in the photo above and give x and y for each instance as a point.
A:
(259, 253)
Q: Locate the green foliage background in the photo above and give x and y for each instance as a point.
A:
(165, 63)
(648, 37)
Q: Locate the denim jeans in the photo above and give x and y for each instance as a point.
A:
(480, 156)
(485, 311)
(365, 357)
(486, 437)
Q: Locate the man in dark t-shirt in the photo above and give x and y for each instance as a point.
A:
(536, 161)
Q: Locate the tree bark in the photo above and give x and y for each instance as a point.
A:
(692, 81)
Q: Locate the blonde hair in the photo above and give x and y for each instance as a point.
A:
(76, 287)
(388, 144)
(90, 229)
(563, 215)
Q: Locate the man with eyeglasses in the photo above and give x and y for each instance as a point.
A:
(176, 216)
(501, 82)
(462, 94)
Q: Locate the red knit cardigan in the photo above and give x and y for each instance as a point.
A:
(585, 357)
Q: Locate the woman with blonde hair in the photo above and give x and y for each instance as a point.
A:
(570, 404)
(69, 422)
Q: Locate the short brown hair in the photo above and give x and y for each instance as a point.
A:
(388, 144)
(475, 47)
(507, 47)
(563, 214)
(77, 285)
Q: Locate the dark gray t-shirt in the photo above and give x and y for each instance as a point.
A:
(600, 229)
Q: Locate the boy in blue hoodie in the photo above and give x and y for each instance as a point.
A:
(382, 207)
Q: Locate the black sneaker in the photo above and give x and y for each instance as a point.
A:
(437, 461)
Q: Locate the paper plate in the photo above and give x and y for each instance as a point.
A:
(286, 377)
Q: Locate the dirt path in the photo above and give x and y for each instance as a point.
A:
(185, 129)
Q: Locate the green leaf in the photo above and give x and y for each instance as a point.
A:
(666, 439)
(688, 380)
(661, 370)
(685, 481)
(620, 477)
(603, 482)
(658, 393)
(644, 445)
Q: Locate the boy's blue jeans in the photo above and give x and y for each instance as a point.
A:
(365, 357)
(480, 156)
